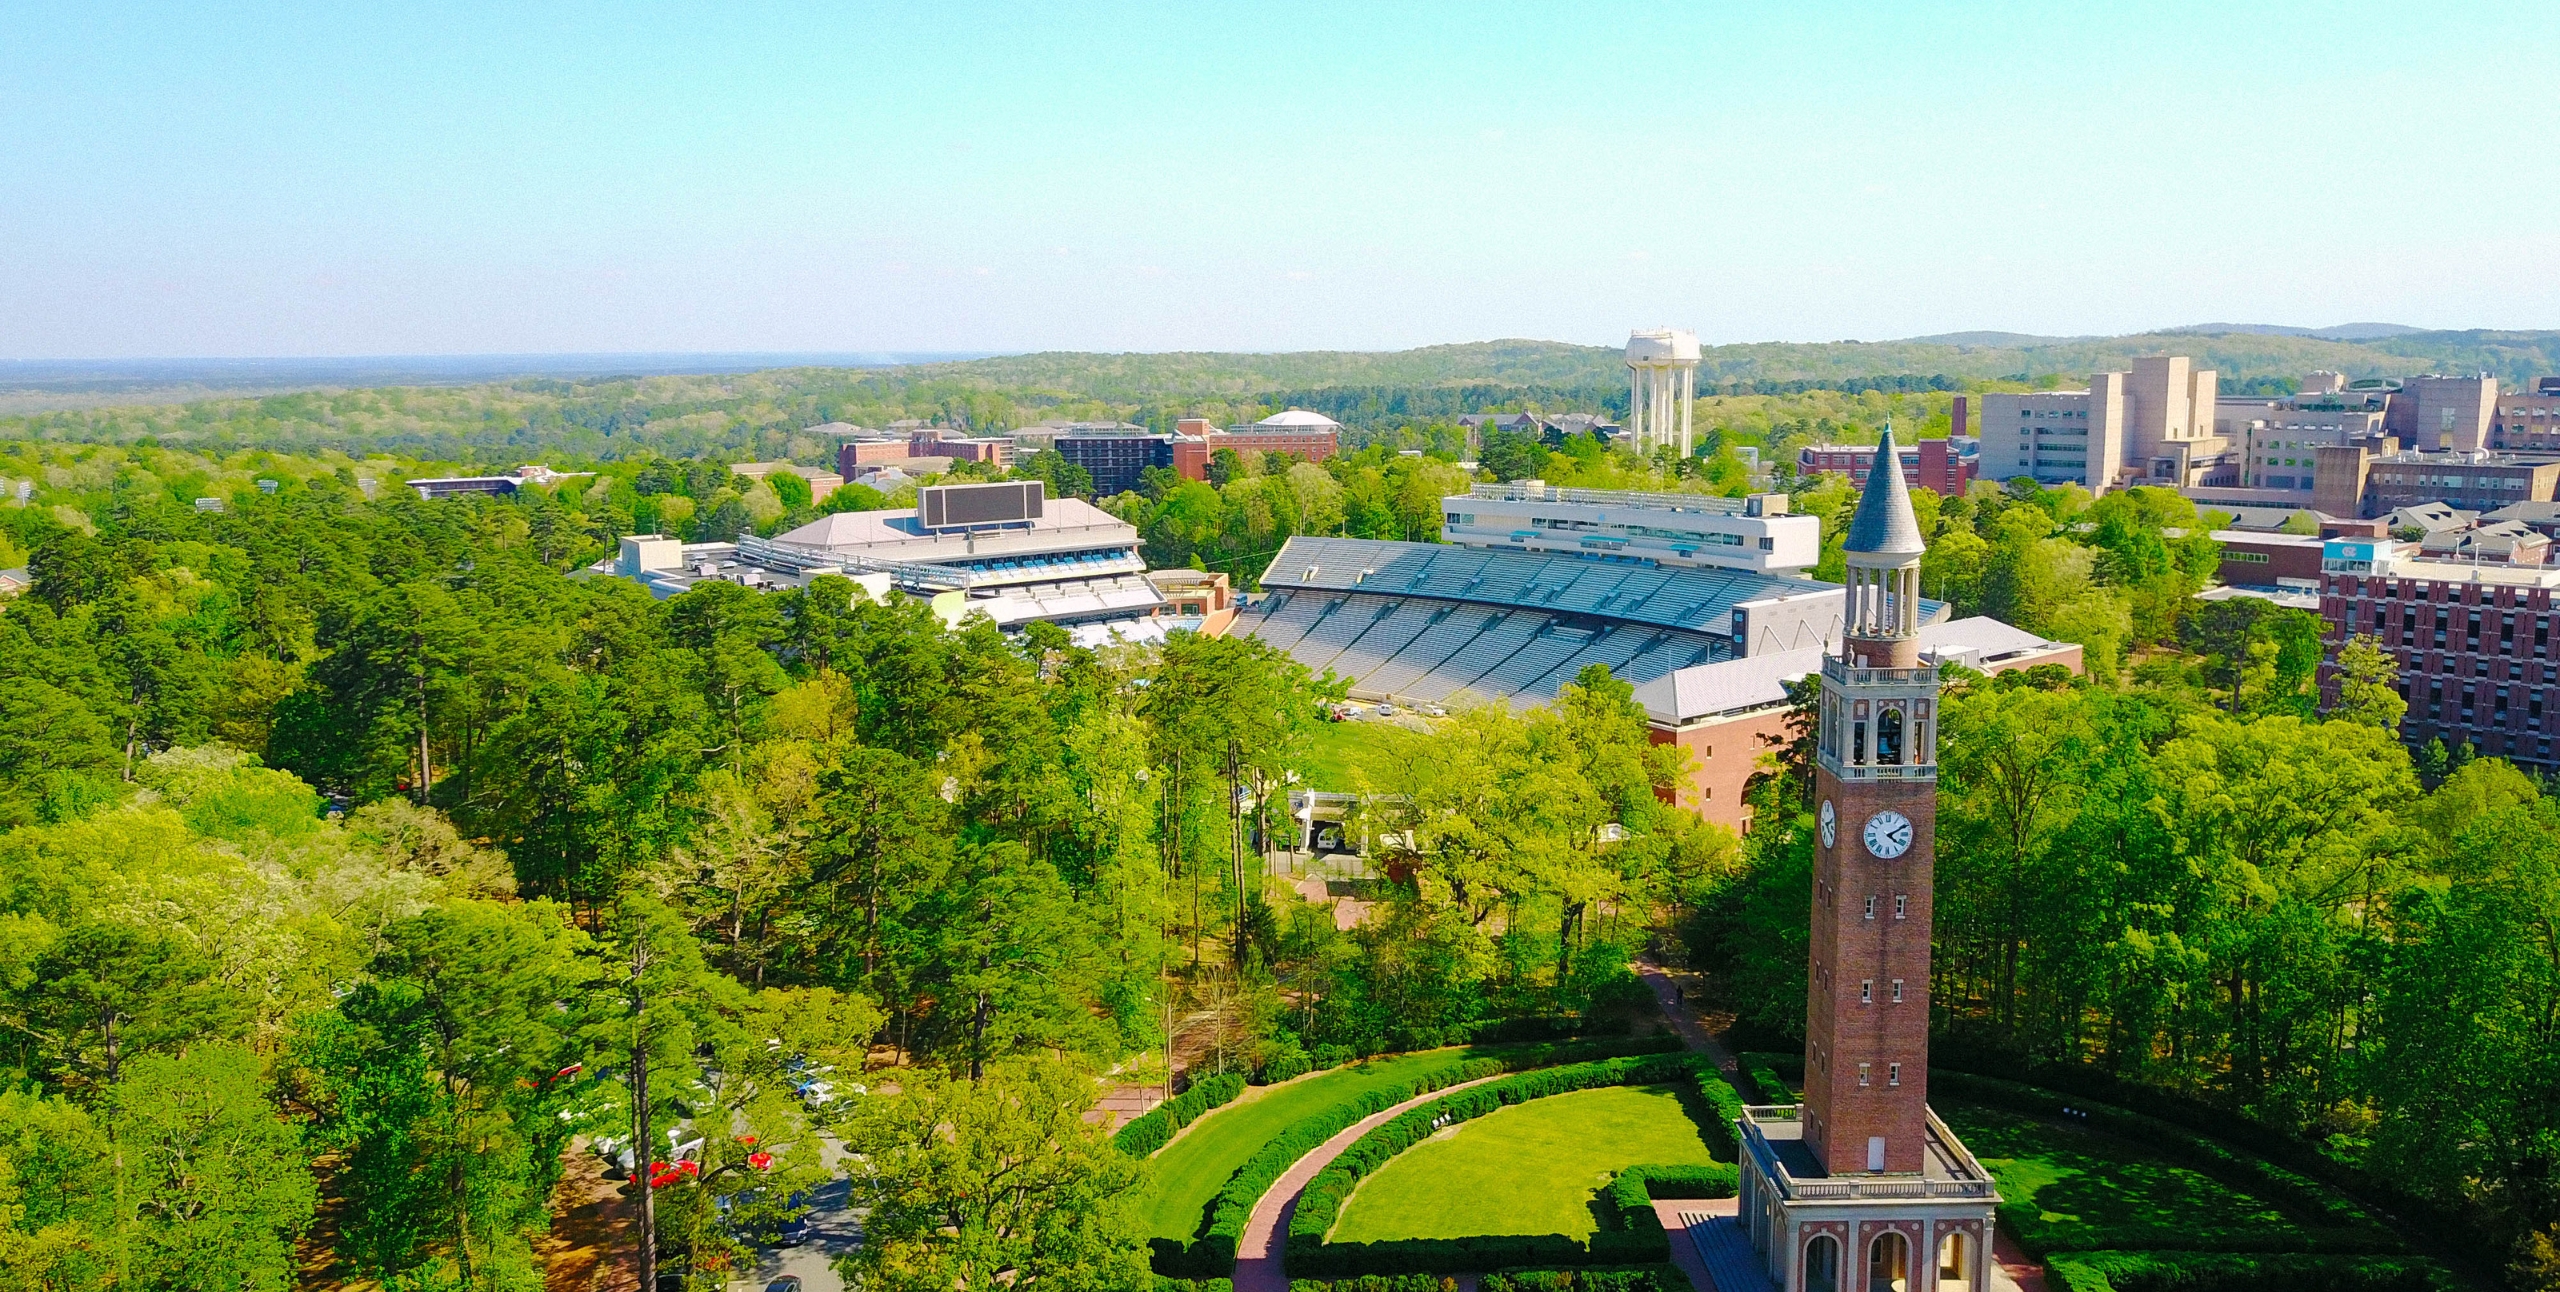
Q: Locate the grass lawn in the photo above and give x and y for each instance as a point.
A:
(1190, 1171)
(1337, 753)
(1533, 1168)
(2076, 1175)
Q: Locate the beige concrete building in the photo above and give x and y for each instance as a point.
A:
(2159, 424)
(2435, 412)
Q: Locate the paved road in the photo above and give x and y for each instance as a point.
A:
(833, 1231)
(1266, 1234)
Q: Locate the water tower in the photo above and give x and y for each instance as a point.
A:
(1662, 385)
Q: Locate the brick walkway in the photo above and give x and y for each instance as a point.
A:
(1266, 1236)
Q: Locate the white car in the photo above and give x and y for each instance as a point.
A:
(1386, 711)
(1433, 711)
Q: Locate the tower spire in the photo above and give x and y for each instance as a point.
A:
(1884, 525)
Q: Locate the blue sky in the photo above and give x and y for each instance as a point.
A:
(251, 179)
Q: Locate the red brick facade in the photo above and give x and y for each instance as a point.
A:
(1870, 933)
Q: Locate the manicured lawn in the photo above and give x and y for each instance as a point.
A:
(1337, 753)
(1191, 1170)
(2072, 1175)
(1529, 1169)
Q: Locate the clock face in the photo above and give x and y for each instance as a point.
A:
(1830, 825)
(1888, 834)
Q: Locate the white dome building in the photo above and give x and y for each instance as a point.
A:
(1299, 419)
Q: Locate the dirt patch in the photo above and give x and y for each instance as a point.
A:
(590, 1246)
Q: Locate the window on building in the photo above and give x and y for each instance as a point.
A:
(1862, 1073)
(1893, 1074)
(1897, 991)
(1871, 906)
(1901, 905)
(1866, 991)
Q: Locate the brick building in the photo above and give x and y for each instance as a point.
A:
(1943, 466)
(2473, 642)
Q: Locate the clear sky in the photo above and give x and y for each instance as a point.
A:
(216, 178)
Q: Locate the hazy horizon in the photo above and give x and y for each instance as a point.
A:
(252, 180)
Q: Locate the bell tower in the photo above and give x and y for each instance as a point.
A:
(1875, 781)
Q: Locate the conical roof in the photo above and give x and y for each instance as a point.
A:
(1884, 525)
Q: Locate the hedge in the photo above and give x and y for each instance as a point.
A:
(1164, 1284)
(1214, 1252)
(2331, 1222)
(1144, 1135)
(1632, 1278)
(1721, 1136)
(1631, 1240)
(2454, 1226)
(1767, 1074)
(1377, 1283)
(2237, 1272)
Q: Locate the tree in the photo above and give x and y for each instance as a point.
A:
(1010, 962)
(213, 1184)
(2368, 685)
(995, 1181)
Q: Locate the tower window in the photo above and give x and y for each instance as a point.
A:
(1862, 1074)
(1866, 991)
(1897, 991)
(1889, 737)
(1893, 1074)
(1901, 905)
(1871, 906)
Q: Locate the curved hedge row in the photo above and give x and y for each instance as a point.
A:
(1214, 1251)
(2236, 1272)
(1636, 1236)
(1145, 1134)
(2331, 1222)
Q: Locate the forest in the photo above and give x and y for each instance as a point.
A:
(374, 868)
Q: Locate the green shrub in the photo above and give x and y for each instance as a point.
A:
(2189, 1271)
(1164, 1284)
(1144, 1135)
(1282, 1067)
(1767, 1074)
(2042, 1237)
(1722, 1139)
(1332, 1056)
(1377, 1283)
(1639, 1185)
(1635, 1278)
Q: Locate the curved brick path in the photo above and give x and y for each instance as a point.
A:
(1266, 1234)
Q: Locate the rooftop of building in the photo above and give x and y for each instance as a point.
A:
(1541, 491)
(849, 529)
(1296, 419)
(1757, 682)
(2267, 538)
(2291, 598)
(1947, 1168)
(1697, 599)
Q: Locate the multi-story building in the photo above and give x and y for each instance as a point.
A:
(2153, 425)
(1115, 461)
(1862, 1185)
(2528, 420)
(1663, 529)
(2473, 481)
(1942, 466)
(2434, 412)
(2473, 642)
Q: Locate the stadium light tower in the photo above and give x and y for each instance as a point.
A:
(1662, 386)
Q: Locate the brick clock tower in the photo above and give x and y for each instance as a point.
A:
(1861, 1188)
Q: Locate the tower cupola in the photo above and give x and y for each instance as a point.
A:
(1880, 626)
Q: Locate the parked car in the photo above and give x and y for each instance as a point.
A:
(1386, 711)
(1433, 711)
(787, 1283)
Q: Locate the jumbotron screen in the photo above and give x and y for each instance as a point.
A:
(1005, 502)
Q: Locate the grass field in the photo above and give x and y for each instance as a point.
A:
(1338, 753)
(2075, 1175)
(1529, 1169)
(1191, 1170)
